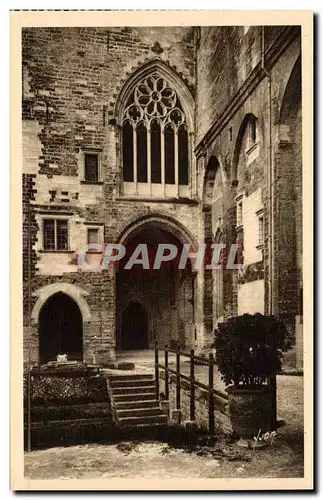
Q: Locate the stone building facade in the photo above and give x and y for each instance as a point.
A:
(183, 135)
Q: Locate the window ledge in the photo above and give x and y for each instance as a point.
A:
(56, 251)
(183, 201)
(260, 246)
(239, 228)
(99, 183)
(94, 224)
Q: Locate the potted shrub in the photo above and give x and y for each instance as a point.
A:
(248, 350)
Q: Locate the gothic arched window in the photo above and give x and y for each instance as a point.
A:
(155, 146)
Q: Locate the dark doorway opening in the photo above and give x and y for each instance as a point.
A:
(60, 329)
(134, 329)
(167, 291)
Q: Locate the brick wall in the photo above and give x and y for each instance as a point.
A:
(74, 75)
(71, 80)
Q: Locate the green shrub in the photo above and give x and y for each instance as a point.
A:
(249, 348)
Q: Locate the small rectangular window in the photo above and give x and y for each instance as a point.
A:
(55, 234)
(260, 230)
(239, 213)
(91, 168)
(252, 130)
(92, 235)
(61, 234)
(49, 234)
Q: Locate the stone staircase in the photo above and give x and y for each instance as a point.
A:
(133, 401)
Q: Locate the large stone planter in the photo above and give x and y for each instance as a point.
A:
(250, 410)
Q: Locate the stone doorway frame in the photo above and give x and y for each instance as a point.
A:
(43, 294)
(166, 224)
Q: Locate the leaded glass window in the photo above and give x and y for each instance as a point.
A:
(154, 135)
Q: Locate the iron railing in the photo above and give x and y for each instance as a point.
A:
(214, 395)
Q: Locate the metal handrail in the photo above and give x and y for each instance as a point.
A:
(213, 394)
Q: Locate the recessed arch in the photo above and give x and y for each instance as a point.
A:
(295, 60)
(76, 293)
(60, 329)
(164, 291)
(213, 168)
(292, 94)
(160, 221)
(218, 235)
(134, 326)
(249, 118)
(140, 297)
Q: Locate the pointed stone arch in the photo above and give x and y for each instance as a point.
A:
(134, 326)
(165, 71)
(158, 220)
(294, 64)
(292, 93)
(248, 118)
(213, 167)
(76, 293)
(167, 292)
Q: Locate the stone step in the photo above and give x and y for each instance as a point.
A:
(135, 397)
(137, 421)
(68, 412)
(144, 396)
(139, 412)
(133, 390)
(150, 426)
(127, 405)
(137, 376)
(131, 383)
(69, 423)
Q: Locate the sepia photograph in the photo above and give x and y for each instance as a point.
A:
(162, 186)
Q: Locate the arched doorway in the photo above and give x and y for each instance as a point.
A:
(166, 292)
(60, 329)
(134, 327)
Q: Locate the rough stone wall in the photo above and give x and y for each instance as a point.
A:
(75, 73)
(228, 88)
(288, 228)
(226, 56)
(29, 224)
(98, 330)
(71, 80)
(242, 173)
(221, 416)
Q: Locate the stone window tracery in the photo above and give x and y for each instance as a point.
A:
(155, 138)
